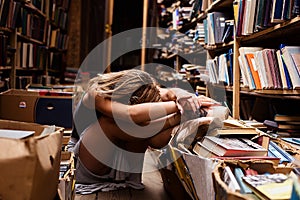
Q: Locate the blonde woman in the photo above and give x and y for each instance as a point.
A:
(118, 118)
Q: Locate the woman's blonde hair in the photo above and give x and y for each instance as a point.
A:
(128, 86)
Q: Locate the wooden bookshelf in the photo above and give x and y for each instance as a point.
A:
(270, 37)
(34, 29)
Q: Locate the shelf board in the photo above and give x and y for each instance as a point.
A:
(220, 4)
(29, 39)
(54, 70)
(272, 93)
(53, 49)
(278, 92)
(19, 69)
(5, 29)
(192, 23)
(5, 68)
(219, 46)
(279, 30)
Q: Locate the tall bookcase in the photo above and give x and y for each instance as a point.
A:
(33, 41)
(246, 102)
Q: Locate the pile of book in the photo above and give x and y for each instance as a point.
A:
(288, 125)
(257, 181)
(251, 164)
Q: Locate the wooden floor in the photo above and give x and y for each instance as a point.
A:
(154, 189)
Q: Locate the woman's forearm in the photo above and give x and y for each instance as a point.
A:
(151, 111)
(138, 113)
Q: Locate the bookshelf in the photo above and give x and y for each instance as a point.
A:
(36, 37)
(268, 36)
(243, 100)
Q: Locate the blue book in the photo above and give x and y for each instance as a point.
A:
(295, 141)
(277, 11)
(276, 151)
(239, 174)
(296, 8)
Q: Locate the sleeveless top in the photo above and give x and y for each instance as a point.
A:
(82, 118)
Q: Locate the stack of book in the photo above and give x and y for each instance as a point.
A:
(288, 125)
(235, 144)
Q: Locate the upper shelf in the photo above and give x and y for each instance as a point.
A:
(285, 31)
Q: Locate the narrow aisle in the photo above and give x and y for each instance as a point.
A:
(154, 189)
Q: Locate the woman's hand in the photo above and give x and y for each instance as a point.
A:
(207, 102)
(190, 103)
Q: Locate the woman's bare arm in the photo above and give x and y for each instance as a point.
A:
(138, 113)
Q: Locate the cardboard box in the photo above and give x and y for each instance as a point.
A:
(36, 107)
(30, 166)
(193, 171)
(261, 166)
(66, 186)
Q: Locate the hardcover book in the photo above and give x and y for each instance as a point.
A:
(233, 146)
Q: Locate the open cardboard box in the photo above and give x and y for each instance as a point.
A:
(30, 166)
(261, 166)
(66, 186)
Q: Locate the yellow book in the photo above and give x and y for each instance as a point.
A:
(236, 11)
(270, 186)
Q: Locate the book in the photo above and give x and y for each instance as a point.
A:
(287, 52)
(276, 14)
(272, 64)
(259, 16)
(253, 69)
(284, 118)
(230, 179)
(233, 146)
(275, 151)
(259, 61)
(248, 17)
(243, 51)
(281, 70)
(15, 134)
(296, 59)
(267, 68)
(228, 31)
(295, 141)
(239, 21)
(270, 186)
(237, 132)
(296, 6)
(288, 126)
(203, 151)
(287, 9)
(243, 72)
(267, 15)
(223, 69)
(239, 174)
(207, 152)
